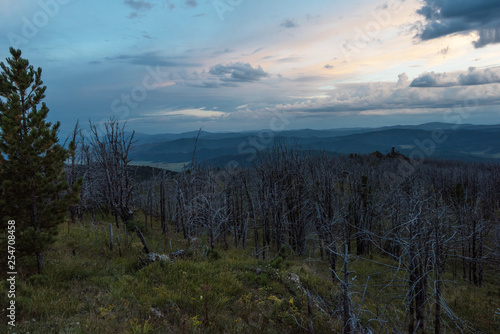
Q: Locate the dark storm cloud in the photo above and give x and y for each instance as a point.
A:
(488, 36)
(238, 72)
(151, 59)
(445, 17)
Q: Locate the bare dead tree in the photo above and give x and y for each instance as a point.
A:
(163, 199)
(73, 174)
(111, 153)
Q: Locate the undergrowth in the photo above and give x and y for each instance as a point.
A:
(88, 288)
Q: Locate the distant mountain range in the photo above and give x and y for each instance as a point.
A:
(431, 140)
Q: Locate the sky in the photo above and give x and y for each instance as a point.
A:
(236, 65)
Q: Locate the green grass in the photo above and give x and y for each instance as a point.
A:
(87, 288)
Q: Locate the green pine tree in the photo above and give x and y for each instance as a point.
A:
(33, 186)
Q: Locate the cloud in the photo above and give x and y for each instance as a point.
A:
(187, 3)
(211, 84)
(308, 78)
(402, 80)
(221, 52)
(151, 59)
(254, 52)
(138, 5)
(207, 84)
(445, 17)
(479, 77)
(192, 3)
(445, 51)
(471, 77)
(434, 80)
(288, 23)
(220, 76)
(238, 72)
(200, 113)
(290, 59)
(488, 36)
(390, 99)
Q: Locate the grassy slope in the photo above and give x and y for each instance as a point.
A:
(89, 289)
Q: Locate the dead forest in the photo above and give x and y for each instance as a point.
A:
(429, 223)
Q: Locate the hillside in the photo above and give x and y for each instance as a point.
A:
(298, 243)
(88, 288)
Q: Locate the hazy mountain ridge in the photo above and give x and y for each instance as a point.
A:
(432, 140)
